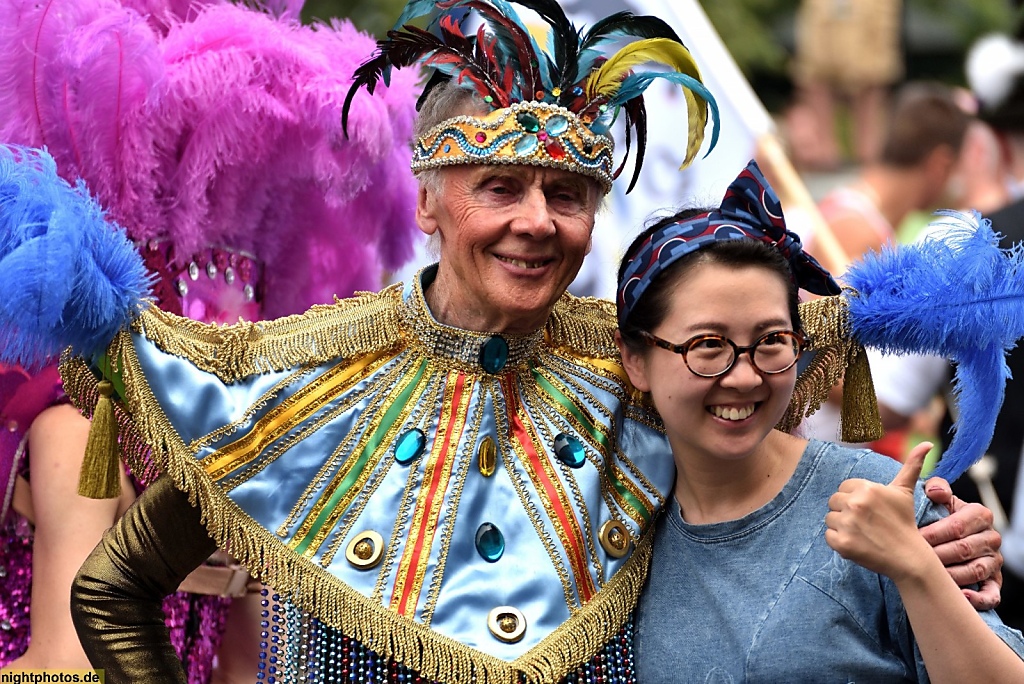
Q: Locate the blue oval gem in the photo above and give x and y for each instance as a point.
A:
(409, 446)
(556, 125)
(526, 145)
(569, 450)
(494, 354)
(490, 542)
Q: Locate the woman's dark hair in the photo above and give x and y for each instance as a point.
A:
(650, 311)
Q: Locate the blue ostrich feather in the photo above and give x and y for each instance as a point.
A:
(70, 277)
(956, 294)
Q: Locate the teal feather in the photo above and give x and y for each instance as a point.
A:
(636, 84)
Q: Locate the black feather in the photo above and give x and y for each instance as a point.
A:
(636, 118)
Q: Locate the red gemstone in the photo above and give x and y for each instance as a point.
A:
(555, 149)
(481, 137)
(542, 135)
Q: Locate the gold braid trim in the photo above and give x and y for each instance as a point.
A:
(838, 355)
(311, 587)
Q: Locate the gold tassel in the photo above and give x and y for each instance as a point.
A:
(100, 477)
(860, 421)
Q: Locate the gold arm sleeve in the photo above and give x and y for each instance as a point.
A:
(116, 597)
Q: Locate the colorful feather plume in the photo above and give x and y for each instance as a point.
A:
(955, 294)
(503, 64)
(71, 278)
(205, 123)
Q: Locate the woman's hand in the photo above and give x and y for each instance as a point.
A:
(874, 525)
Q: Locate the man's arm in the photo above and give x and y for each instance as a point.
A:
(116, 597)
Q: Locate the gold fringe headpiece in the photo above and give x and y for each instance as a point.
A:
(551, 110)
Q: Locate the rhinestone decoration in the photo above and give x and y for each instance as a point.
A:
(526, 145)
(615, 538)
(487, 456)
(529, 122)
(494, 354)
(507, 623)
(461, 348)
(490, 542)
(193, 271)
(229, 275)
(365, 550)
(211, 269)
(409, 446)
(569, 450)
(182, 287)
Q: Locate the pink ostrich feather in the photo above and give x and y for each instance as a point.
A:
(251, 107)
(209, 124)
(31, 36)
(72, 73)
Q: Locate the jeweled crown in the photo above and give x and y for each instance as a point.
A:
(534, 133)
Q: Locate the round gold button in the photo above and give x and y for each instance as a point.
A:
(365, 550)
(615, 538)
(507, 623)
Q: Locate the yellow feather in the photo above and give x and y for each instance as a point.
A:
(605, 81)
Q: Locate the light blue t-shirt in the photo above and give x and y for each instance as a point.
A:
(765, 599)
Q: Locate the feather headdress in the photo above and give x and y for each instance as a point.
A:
(550, 108)
(955, 294)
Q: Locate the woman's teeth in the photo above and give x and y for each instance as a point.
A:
(732, 413)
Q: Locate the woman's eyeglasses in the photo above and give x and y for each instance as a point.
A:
(712, 355)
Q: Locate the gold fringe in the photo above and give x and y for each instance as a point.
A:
(100, 476)
(584, 325)
(349, 328)
(838, 355)
(295, 340)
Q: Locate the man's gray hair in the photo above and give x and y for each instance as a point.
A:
(444, 102)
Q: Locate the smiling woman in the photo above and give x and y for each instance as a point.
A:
(759, 559)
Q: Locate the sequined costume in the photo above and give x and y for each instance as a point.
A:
(467, 505)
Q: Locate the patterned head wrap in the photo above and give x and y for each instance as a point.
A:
(750, 210)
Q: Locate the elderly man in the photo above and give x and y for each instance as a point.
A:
(447, 481)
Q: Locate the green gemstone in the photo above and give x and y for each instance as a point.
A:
(569, 450)
(494, 354)
(529, 122)
(490, 542)
(410, 446)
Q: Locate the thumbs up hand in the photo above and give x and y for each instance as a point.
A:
(874, 525)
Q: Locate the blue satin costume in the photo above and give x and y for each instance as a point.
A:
(464, 504)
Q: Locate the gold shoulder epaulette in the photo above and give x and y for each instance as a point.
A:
(349, 328)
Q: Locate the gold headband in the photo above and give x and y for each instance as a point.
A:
(533, 133)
